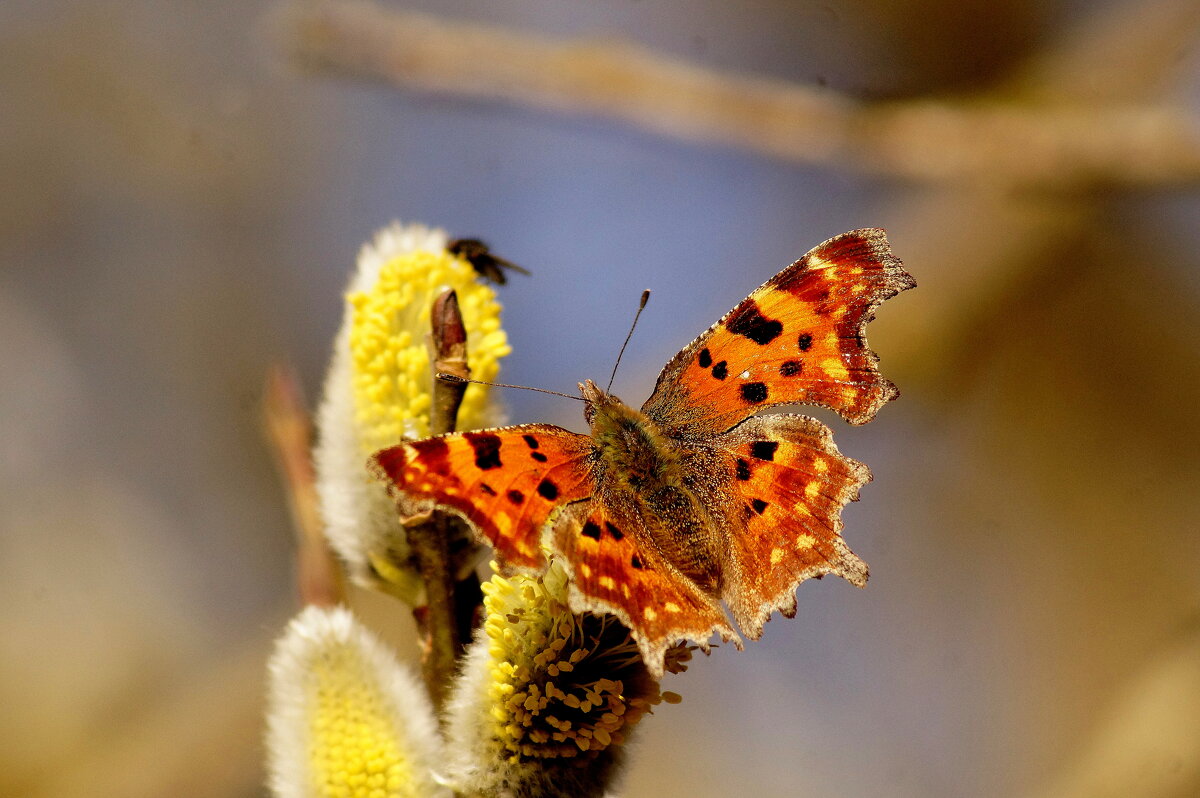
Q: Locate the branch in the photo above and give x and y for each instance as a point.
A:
(1002, 142)
(440, 618)
(974, 245)
(289, 430)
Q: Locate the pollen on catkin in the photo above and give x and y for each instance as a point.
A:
(379, 390)
(345, 720)
(545, 691)
(392, 373)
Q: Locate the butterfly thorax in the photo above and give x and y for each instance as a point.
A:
(642, 473)
(631, 450)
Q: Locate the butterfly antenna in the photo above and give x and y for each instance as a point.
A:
(632, 327)
(444, 377)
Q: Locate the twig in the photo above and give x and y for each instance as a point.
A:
(1001, 142)
(969, 246)
(289, 429)
(429, 540)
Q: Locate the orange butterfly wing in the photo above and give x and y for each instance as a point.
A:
(784, 509)
(505, 482)
(615, 568)
(797, 339)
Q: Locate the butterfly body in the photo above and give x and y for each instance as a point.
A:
(661, 513)
(648, 480)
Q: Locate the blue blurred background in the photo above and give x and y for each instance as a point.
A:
(182, 208)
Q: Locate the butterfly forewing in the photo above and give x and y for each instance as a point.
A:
(506, 482)
(797, 339)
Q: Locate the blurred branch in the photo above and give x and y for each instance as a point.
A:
(969, 245)
(289, 430)
(1001, 141)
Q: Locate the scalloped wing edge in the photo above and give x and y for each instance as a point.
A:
(896, 280)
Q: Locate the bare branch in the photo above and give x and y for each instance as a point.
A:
(439, 619)
(289, 429)
(1004, 142)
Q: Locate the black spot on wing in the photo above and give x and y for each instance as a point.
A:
(764, 450)
(758, 505)
(612, 530)
(636, 563)
(487, 449)
(590, 530)
(541, 458)
(790, 368)
(748, 321)
(743, 470)
(705, 359)
(515, 497)
(547, 490)
(754, 392)
(530, 441)
(721, 370)
(804, 342)
(487, 489)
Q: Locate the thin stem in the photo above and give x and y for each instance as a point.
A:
(439, 619)
(290, 432)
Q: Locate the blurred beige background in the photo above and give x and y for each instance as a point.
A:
(182, 206)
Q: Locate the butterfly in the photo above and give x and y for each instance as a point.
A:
(660, 514)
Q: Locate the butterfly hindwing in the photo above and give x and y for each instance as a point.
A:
(505, 482)
(615, 568)
(783, 510)
(797, 339)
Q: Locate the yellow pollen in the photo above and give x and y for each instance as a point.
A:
(546, 702)
(353, 746)
(390, 360)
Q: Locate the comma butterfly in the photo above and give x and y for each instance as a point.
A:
(660, 514)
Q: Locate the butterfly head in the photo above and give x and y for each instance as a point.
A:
(595, 399)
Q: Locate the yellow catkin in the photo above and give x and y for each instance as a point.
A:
(564, 686)
(353, 749)
(391, 361)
